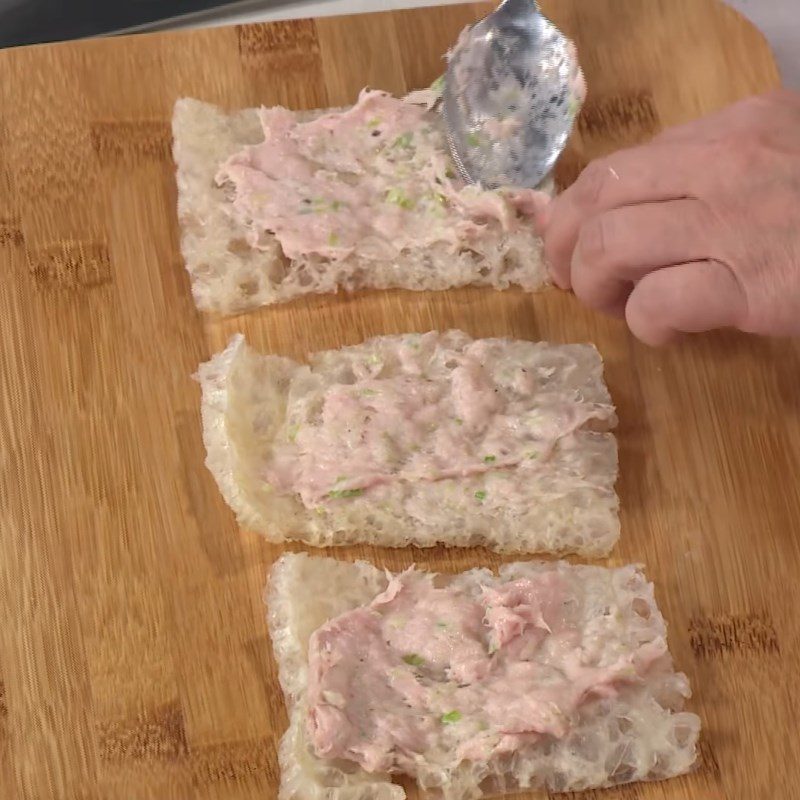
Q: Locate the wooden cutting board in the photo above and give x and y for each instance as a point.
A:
(134, 655)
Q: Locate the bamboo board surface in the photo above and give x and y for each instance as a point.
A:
(134, 657)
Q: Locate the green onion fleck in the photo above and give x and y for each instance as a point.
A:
(399, 198)
(404, 140)
(459, 421)
(450, 717)
(333, 238)
(480, 494)
(338, 493)
(292, 432)
(473, 140)
(336, 205)
(533, 454)
(438, 84)
(441, 624)
(412, 659)
(489, 459)
(374, 122)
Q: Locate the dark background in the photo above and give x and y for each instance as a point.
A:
(34, 21)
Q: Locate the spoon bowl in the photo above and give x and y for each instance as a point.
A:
(512, 90)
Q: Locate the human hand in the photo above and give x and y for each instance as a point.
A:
(696, 230)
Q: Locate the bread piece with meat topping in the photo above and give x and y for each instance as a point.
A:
(417, 439)
(596, 700)
(274, 204)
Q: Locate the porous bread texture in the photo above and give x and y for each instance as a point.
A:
(569, 505)
(229, 276)
(641, 734)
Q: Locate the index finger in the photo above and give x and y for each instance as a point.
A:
(646, 174)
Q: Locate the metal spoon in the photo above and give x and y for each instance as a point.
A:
(512, 90)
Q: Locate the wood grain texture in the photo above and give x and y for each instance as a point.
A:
(134, 658)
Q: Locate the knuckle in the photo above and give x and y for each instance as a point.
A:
(755, 103)
(593, 261)
(747, 149)
(593, 241)
(770, 101)
(750, 111)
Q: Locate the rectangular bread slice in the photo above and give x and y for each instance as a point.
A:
(417, 439)
(636, 732)
(229, 274)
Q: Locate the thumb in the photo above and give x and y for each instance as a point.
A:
(687, 298)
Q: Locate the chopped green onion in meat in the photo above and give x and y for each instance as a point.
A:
(399, 198)
(404, 140)
(339, 493)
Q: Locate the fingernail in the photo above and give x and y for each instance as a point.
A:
(574, 264)
(557, 279)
